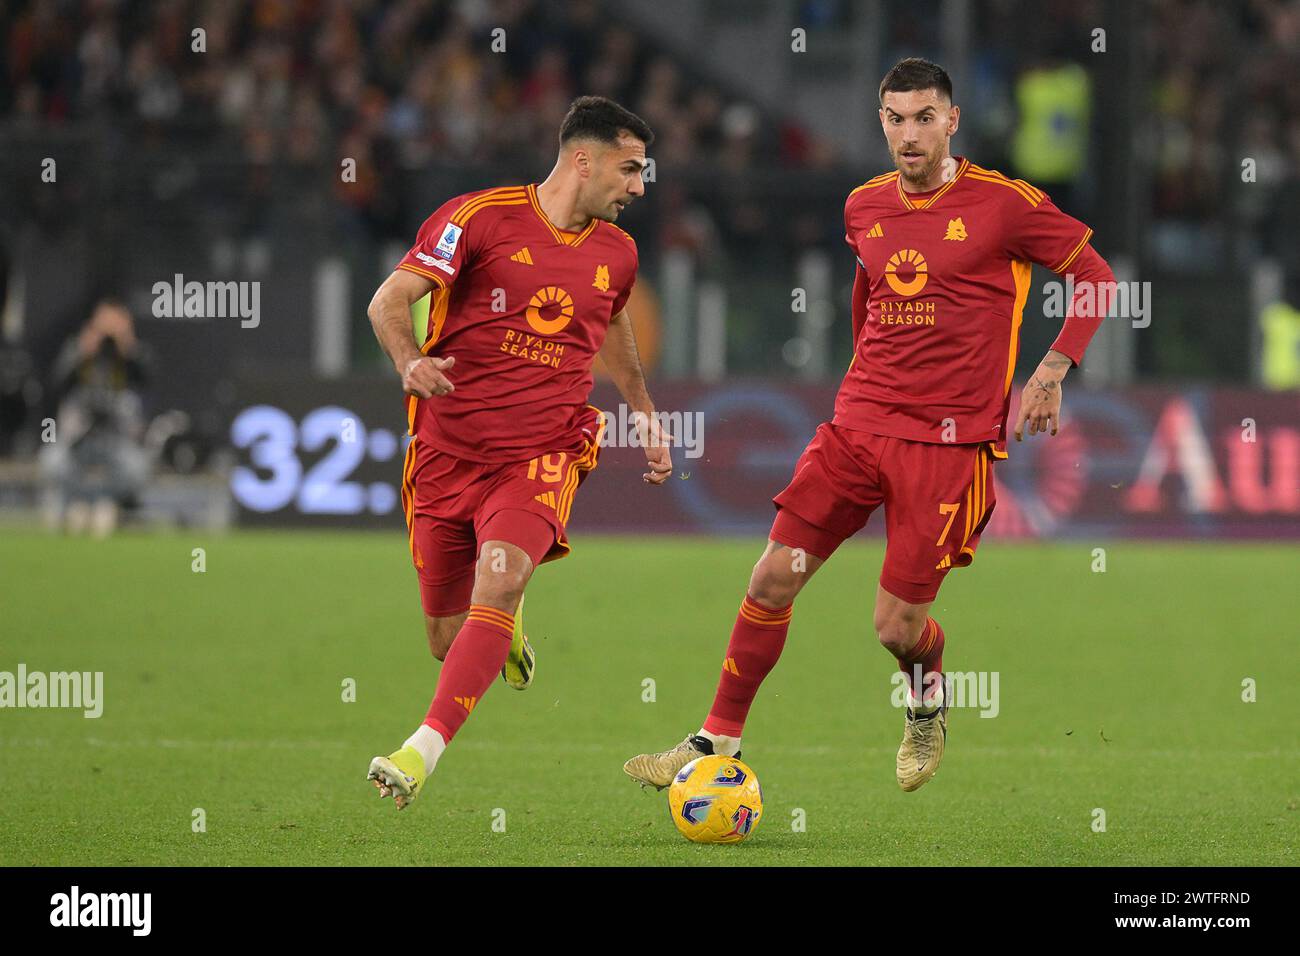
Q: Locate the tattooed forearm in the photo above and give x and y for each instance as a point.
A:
(1051, 370)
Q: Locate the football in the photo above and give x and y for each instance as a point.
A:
(715, 800)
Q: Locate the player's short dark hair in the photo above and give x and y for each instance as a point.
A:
(915, 73)
(601, 119)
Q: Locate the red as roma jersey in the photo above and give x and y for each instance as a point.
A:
(949, 275)
(524, 308)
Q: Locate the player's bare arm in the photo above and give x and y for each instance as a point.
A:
(390, 316)
(621, 358)
(1040, 404)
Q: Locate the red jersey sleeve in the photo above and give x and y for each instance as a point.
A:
(1090, 272)
(621, 300)
(442, 246)
(861, 281)
(1042, 233)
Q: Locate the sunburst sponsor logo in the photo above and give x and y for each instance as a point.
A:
(904, 263)
(549, 310)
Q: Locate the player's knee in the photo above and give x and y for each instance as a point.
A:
(502, 590)
(774, 582)
(499, 583)
(898, 629)
(894, 638)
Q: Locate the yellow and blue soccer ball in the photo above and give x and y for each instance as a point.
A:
(715, 800)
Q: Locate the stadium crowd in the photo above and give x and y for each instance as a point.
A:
(391, 84)
(400, 82)
(296, 84)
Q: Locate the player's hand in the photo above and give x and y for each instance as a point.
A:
(657, 443)
(423, 377)
(1040, 406)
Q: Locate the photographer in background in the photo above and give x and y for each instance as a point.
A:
(97, 464)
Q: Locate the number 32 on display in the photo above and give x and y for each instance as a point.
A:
(276, 478)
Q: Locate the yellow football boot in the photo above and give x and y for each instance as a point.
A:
(522, 662)
(399, 775)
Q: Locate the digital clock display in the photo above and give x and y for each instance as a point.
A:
(276, 477)
(322, 462)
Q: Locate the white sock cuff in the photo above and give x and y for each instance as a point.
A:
(722, 746)
(430, 745)
(933, 704)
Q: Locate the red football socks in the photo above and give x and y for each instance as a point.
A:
(755, 647)
(476, 657)
(927, 653)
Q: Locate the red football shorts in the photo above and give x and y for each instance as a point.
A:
(937, 499)
(453, 505)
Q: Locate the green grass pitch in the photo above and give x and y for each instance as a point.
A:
(223, 692)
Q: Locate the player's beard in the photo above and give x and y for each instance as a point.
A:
(611, 211)
(919, 177)
(607, 212)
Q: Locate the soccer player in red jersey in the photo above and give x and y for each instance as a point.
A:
(944, 249)
(528, 284)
